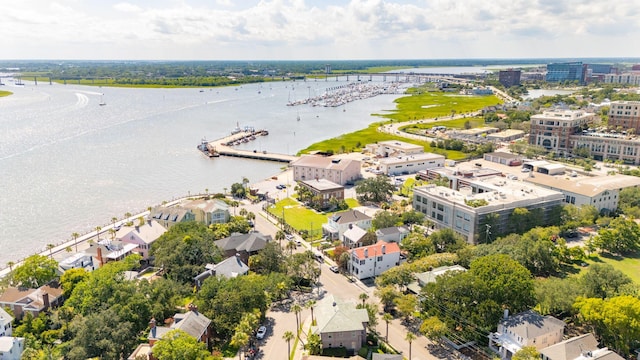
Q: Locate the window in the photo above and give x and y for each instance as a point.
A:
(379, 258)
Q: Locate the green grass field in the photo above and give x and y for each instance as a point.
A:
(302, 218)
(630, 266)
(418, 106)
(5, 93)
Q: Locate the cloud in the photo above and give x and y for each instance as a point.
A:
(127, 7)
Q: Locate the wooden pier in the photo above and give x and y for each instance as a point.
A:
(221, 147)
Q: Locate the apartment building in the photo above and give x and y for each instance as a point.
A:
(625, 115)
(552, 129)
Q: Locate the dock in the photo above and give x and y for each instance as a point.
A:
(224, 147)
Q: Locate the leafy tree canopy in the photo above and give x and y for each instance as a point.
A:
(35, 271)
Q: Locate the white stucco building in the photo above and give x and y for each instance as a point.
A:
(410, 164)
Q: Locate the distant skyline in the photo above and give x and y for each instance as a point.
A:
(317, 29)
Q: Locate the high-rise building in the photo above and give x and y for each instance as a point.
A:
(509, 78)
(569, 71)
(626, 115)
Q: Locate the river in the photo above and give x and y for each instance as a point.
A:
(68, 164)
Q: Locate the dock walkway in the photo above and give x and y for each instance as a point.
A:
(221, 147)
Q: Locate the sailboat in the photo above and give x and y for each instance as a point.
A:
(298, 116)
(102, 103)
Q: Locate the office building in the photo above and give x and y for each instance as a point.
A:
(553, 129)
(569, 71)
(509, 78)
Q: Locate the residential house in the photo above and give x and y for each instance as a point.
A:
(34, 301)
(141, 235)
(229, 268)
(343, 221)
(392, 234)
(371, 261)
(214, 211)
(77, 261)
(11, 348)
(168, 216)
(6, 323)
(335, 169)
(354, 237)
(192, 322)
(525, 329)
(428, 277)
(583, 347)
(340, 324)
(243, 245)
(107, 251)
(324, 190)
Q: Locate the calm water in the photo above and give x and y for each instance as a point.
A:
(536, 93)
(68, 164)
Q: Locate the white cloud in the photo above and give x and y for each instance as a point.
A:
(278, 29)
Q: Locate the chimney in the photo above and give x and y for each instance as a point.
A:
(506, 314)
(193, 307)
(366, 253)
(45, 300)
(384, 249)
(99, 256)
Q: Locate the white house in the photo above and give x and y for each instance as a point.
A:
(353, 237)
(6, 321)
(340, 323)
(343, 221)
(11, 347)
(142, 236)
(582, 347)
(371, 261)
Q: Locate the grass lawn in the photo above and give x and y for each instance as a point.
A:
(301, 218)
(5, 93)
(417, 106)
(630, 266)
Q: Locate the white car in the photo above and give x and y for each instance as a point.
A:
(262, 331)
(334, 269)
(525, 170)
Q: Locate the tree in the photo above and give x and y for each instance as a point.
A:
(10, 265)
(385, 219)
(35, 271)
(412, 217)
(446, 240)
(603, 280)
(297, 309)
(363, 297)
(104, 334)
(240, 339)
(50, 248)
(71, 278)
(376, 189)
(418, 245)
(527, 353)
(555, 296)
(433, 328)
(75, 237)
(622, 236)
(387, 296)
(310, 305)
(288, 336)
(270, 259)
(406, 304)
(387, 319)
(409, 338)
(178, 345)
(616, 320)
(238, 190)
(280, 235)
(314, 343)
(98, 228)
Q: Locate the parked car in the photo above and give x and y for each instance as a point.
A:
(262, 331)
(334, 269)
(289, 237)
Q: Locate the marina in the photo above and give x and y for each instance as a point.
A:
(224, 145)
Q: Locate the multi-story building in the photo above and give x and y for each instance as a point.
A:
(394, 148)
(340, 324)
(142, 235)
(6, 321)
(340, 171)
(552, 129)
(609, 146)
(509, 78)
(11, 348)
(410, 164)
(625, 115)
(485, 201)
(371, 261)
(626, 78)
(214, 211)
(569, 71)
(324, 189)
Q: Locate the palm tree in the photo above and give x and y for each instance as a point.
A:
(112, 232)
(245, 182)
(288, 336)
(280, 236)
(243, 212)
(310, 305)
(50, 247)
(297, 309)
(387, 319)
(291, 246)
(113, 220)
(364, 298)
(10, 265)
(68, 249)
(75, 236)
(234, 204)
(410, 337)
(225, 191)
(98, 228)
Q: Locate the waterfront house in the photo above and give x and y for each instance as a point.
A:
(208, 212)
(243, 245)
(11, 348)
(340, 222)
(340, 324)
(6, 323)
(142, 236)
(77, 261)
(338, 170)
(168, 216)
(371, 261)
(525, 329)
(107, 251)
(34, 301)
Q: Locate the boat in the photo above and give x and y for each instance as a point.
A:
(298, 117)
(236, 130)
(102, 103)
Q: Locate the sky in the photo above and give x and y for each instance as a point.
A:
(317, 29)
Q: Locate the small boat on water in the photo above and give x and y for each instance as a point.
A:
(102, 103)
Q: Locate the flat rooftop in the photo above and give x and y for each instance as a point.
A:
(400, 145)
(410, 158)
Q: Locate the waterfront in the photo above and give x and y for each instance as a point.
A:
(68, 165)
